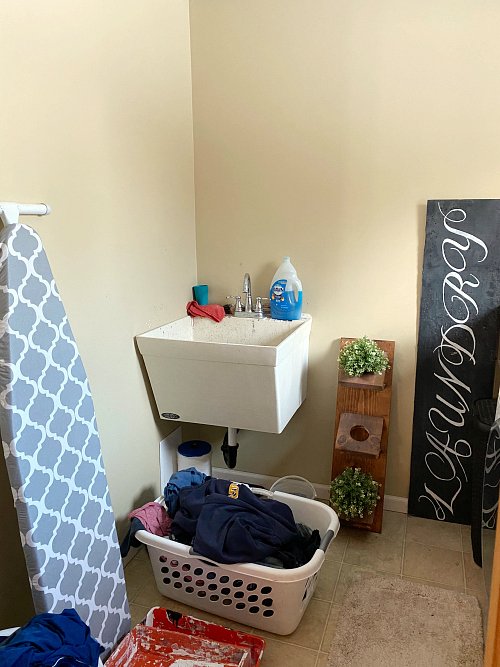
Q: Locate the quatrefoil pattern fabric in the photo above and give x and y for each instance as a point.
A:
(52, 448)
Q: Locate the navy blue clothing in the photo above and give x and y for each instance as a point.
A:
(179, 480)
(297, 552)
(130, 540)
(183, 527)
(230, 524)
(50, 639)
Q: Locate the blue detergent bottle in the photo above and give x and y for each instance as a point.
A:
(286, 293)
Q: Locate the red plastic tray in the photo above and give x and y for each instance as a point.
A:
(153, 647)
(170, 620)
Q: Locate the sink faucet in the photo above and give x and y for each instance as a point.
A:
(246, 309)
(247, 289)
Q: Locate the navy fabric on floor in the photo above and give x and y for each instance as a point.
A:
(51, 639)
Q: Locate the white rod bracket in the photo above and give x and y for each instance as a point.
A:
(10, 211)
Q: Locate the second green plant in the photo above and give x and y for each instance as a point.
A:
(362, 356)
(354, 493)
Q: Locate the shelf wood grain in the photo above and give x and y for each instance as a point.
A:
(376, 404)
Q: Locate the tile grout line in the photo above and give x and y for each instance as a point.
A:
(141, 588)
(345, 549)
(340, 571)
(404, 548)
(282, 641)
(463, 560)
(434, 546)
(335, 585)
(325, 628)
(342, 561)
(327, 653)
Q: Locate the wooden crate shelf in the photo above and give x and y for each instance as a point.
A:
(372, 403)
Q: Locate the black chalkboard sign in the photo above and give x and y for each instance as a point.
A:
(457, 348)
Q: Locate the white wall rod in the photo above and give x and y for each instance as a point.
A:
(10, 211)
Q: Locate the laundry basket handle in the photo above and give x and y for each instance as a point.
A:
(297, 478)
(262, 492)
(327, 538)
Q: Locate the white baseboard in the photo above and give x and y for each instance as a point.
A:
(396, 504)
(391, 503)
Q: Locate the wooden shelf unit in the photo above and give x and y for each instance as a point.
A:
(366, 402)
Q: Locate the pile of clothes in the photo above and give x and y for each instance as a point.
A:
(226, 522)
(51, 639)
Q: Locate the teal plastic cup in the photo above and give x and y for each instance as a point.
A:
(200, 293)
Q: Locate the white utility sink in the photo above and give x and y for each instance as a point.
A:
(240, 373)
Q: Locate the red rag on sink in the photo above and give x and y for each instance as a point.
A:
(214, 312)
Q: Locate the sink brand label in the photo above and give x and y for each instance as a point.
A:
(170, 415)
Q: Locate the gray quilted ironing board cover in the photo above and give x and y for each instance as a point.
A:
(52, 448)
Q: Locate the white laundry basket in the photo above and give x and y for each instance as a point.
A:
(261, 597)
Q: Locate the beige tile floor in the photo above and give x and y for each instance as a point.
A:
(437, 554)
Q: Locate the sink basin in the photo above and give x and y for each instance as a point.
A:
(240, 373)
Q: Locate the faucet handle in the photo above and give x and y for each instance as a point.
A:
(258, 303)
(237, 305)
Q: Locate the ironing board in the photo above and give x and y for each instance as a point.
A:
(52, 448)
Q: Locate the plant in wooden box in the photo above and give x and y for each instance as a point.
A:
(362, 364)
(354, 495)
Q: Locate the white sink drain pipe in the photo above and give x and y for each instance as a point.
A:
(231, 437)
(230, 447)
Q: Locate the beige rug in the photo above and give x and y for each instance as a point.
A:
(389, 622)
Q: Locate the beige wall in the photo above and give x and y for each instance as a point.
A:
(96, 120)
(321, 129)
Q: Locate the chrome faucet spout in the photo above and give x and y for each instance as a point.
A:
(247, 289)
(246, 309)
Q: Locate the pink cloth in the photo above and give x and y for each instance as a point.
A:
(214, 312)
(154, 518)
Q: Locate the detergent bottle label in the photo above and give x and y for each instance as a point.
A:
(284, 303)
(278, 293)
